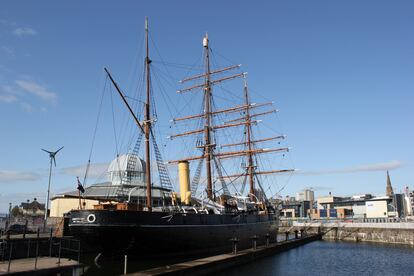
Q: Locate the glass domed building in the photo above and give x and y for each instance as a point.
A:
(127, 169)
(126, 182)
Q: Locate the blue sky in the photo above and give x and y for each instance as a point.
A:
(341, 74)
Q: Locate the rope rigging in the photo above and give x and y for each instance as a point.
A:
(94, 133)
(196, 178)
(222, 93)
(164, 176)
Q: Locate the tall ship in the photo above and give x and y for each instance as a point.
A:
(217, 204)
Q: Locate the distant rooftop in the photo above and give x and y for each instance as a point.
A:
(34, 205)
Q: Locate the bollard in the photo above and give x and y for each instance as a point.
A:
(301, 233)
(125, 264)
(287, 235)
(28, 248)
(254, 239)
(79, 251)
(25, 230)
(268, 239)
(10, 254)
(296, 234)
(60, 249)
(50, 242)
(234, 242)
(37, 247)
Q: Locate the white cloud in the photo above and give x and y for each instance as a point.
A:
(9, 51)
(17, 176)
(6, 70)
(7, 22)
(25, 31)
(7, 94)
(6, 98)
(390, 165)
(95, 170)
(7, 89)
(17, 30)
(37, 90)
(27, 107)
(22, 89)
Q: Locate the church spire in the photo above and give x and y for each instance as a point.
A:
(389, 191)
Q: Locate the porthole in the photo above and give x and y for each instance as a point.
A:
(91, 218)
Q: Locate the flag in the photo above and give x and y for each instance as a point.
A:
(80, 187)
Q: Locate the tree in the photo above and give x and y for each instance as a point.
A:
(16, 212)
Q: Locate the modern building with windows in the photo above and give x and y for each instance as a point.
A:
(292, 208)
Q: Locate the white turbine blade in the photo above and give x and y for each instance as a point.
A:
(58, 150)
(46, 151)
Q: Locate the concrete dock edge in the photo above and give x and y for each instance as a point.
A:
(216, 263)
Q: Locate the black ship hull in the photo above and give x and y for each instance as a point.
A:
(163, 233)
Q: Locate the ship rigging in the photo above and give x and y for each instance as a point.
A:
(210, 151)
(191, 222)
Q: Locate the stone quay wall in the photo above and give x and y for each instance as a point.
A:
(391, 233)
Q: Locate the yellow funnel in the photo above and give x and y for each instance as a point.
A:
(184, 177)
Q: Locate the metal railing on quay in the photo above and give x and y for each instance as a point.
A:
(37, 246)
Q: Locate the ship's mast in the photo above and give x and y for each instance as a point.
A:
(147, 123)
(207, 116)
(247, 121)
(250, 166)
(144, 126)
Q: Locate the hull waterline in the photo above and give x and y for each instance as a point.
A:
(162, 233)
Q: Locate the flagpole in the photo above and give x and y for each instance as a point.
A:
(80, 189)
(80, 204)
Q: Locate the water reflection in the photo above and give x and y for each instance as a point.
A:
(316, 258)
(333, 258)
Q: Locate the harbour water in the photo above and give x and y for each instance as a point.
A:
(333, 258)
(115, 265)
(316, 258)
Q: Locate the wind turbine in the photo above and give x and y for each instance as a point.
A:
(52, 155)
